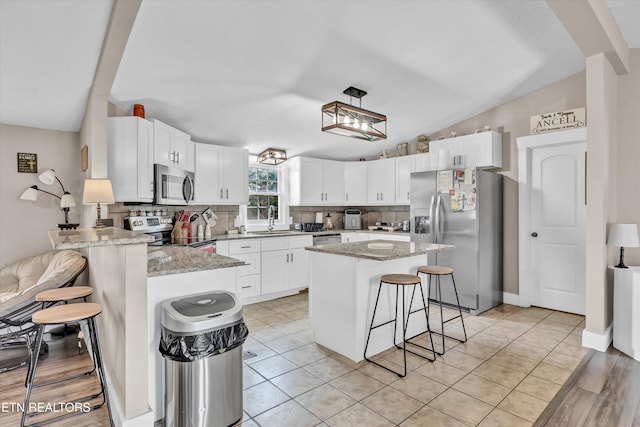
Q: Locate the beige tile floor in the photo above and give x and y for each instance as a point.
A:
(513, 364)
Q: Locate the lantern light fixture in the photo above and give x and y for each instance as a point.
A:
(355, 122)
(272, 156)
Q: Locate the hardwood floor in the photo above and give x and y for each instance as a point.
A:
(62, 360)
(604, 390)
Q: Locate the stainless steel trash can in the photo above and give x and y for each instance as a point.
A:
(201, 342)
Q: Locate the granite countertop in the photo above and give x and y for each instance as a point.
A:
(290, 233)
(166, 260)
(90, 237)
(366, 251)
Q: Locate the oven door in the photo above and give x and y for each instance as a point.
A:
(173, 186)
(161, 238)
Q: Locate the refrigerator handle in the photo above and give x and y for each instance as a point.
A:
(437, 228)
(432, 220)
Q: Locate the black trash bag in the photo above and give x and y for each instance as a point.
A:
(187, 348)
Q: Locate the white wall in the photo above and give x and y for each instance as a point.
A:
(24, 225)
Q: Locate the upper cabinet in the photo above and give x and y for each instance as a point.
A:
(172, 147)
(381, 182)
(315, 181)
(480, 150)
(404, 167)
(221, 175)
(355, 183)
(130, 158)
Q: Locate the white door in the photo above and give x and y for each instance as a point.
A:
(355, 183)
(557, 227)
(312, 181)
(207, 176)
(403, 180)
(333, 183)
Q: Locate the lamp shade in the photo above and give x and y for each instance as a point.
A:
(30, 193)
(47, 177)
(97, 191)
(67, 201)
(624, 235)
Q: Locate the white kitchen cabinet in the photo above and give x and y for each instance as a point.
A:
(424, 162)
(285, 263)
(354, 237)
(221, 175)
(381, 182)
(355, 183)
(315, 181)
(172, 147)
(481, 150)
(403, 179)
(248, 276)
(130, 158)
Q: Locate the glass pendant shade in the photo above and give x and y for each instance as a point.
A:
(30, 194)
(47, 177)
(67, 201)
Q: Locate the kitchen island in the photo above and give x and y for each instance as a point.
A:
(344, 284)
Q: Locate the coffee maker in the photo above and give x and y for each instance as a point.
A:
(352, 219)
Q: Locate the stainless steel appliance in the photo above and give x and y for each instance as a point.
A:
(352, 219)
(173, 186)
(160, 227)
(309, 227)
(326, 239)
(462, 208)
(157, 226)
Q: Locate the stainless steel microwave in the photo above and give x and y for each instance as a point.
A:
(173, 186)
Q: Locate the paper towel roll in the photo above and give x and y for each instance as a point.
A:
(444, 159)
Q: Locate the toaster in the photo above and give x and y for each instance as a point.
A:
(352, 219)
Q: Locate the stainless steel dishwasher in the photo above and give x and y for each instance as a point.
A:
(326, 239)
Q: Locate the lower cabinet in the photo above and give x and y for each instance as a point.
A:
(285, 263)
(360, 237)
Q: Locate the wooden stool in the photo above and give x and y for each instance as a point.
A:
(65, 294)
(401, 280)
(437, 270)
(54, 316)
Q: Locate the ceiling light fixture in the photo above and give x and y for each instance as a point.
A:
(348, 120)
(272, 156)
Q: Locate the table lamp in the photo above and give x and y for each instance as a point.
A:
(97, 191)
(48, 177)
(625, 236)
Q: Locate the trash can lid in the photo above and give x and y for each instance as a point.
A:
(201, 312)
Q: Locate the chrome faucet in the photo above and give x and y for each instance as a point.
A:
(271, 218)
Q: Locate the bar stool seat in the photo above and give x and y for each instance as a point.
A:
(79, 312)
(435, 269)
(441, 270)
(65, 294)
(401, 281)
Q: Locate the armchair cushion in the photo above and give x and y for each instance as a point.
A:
(23, 279)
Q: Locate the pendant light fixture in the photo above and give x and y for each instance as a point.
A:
(272, 156)
(348, 120)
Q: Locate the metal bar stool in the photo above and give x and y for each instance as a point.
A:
(58, 315)
(437, 270)
(401, 280)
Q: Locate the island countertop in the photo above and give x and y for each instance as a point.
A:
(91, 237)
(166, 260)
(380, 250)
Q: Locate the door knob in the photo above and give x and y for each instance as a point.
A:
(534, 234)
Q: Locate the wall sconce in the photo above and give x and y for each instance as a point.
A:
(67, 201)
(96, 192)
(272, 156)
(625, 236)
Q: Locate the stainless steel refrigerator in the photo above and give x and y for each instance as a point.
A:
(462, 207)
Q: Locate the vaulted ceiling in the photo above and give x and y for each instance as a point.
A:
(254, 74)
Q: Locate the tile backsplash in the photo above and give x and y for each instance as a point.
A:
(370, 214)
(225, 214)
